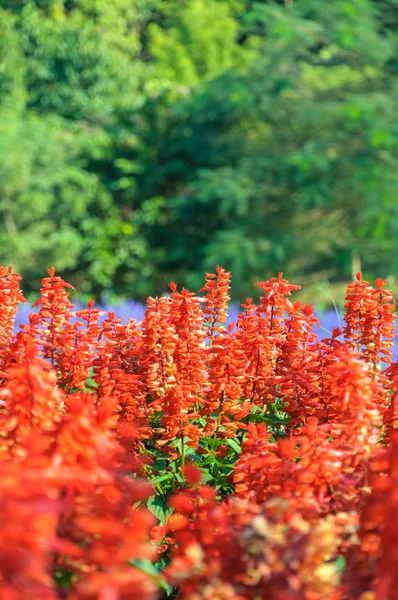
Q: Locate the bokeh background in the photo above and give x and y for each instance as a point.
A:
(144, 141)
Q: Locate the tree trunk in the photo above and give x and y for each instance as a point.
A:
(355, 265)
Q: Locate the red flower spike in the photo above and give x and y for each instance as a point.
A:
(227, 365)
(79, 342)
(289, 424)
(10, 297)
(241, 550)
(54, 314)
(370, 316)
(189, 356)
(216, 300)
(373, 562)
(118, 374)
(158, 345)
(33, 405)
(193, 475)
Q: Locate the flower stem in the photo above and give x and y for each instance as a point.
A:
(182, 455)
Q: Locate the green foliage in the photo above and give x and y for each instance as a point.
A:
(273, 156)
(144, 141)
(196, 42)
(80, 75)
(44, 192)
(11, 65)
(159, 508)
(150, 569)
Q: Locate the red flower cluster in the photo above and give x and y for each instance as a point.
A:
(108, 428)
(243, 550)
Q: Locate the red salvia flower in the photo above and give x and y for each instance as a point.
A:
(33, 405)
(256, 340)
(370, 316)
(190, 351)
(292, 432)
(119, 380)
(275, 301)
(263, 333)
(72, 488)
(243, 551)
(370, 319)
(29, 515)
(373, 566)
(10, 298)
(227, 364)
(296, 367)
(216, 300)
(79, 342)
(54, 314)
(158, 345)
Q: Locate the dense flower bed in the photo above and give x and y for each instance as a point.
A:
(179, 457)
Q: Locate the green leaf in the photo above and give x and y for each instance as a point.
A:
(147, 567)
(235, 445)
(340, 563)
(161, 478)
(158, 507)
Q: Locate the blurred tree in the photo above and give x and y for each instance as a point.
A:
(12, 71)
(148, 140)
(195, 42)
(288, 163)
(71, 66)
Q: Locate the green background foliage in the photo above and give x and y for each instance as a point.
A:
(148, 140)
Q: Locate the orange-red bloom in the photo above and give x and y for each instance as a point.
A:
(294, 436)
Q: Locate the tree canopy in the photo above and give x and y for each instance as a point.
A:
(148, 140)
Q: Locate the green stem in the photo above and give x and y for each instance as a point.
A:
(182, 456)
